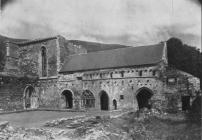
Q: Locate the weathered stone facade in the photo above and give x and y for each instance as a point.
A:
(24, 61)
(124, 84)
(152, 86)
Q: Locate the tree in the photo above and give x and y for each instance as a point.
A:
(184, 57)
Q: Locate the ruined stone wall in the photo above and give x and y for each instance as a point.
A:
(178, 84)
(25, 61)
(30, 59)
(48, 93)
(47, 87)
(11, 59)
(12, 92)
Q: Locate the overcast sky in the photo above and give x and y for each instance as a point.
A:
(129, 22)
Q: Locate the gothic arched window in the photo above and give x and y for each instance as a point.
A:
(44, 61)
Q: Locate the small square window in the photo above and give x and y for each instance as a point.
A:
(79, 78)
(171, 81)
(121, 97)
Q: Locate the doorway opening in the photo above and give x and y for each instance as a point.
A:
(30, 98)
(185, 103)
(115, 104)
(143, 98)
(68, 98)
(104, 101)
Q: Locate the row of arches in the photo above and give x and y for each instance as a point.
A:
(88, 99)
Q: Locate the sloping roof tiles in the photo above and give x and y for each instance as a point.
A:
(124, 57)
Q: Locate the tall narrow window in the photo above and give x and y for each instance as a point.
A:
(122, 73)
(154, 73)
(140, 73)
(44, 61)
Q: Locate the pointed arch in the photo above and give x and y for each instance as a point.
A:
(68, 97)
(104, 100)
(87, 99)
(143, 96)
(115, 104)
(30, 99)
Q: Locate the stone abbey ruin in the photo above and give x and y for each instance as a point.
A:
(58, 73)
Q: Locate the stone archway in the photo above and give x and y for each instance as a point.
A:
(68, 98)
(104, 100)
(31, 100)
(87, 99)
(143, 97)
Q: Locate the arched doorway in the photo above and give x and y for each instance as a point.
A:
(115, 104)
(68, 97)
(87, 99)
(104, 101)
(143, 98)
(30, 98)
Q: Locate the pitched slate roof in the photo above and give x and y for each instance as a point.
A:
(117, 58)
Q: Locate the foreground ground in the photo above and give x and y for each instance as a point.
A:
(35, 119)
(149, 125)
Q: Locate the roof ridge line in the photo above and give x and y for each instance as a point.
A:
(96, 52)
